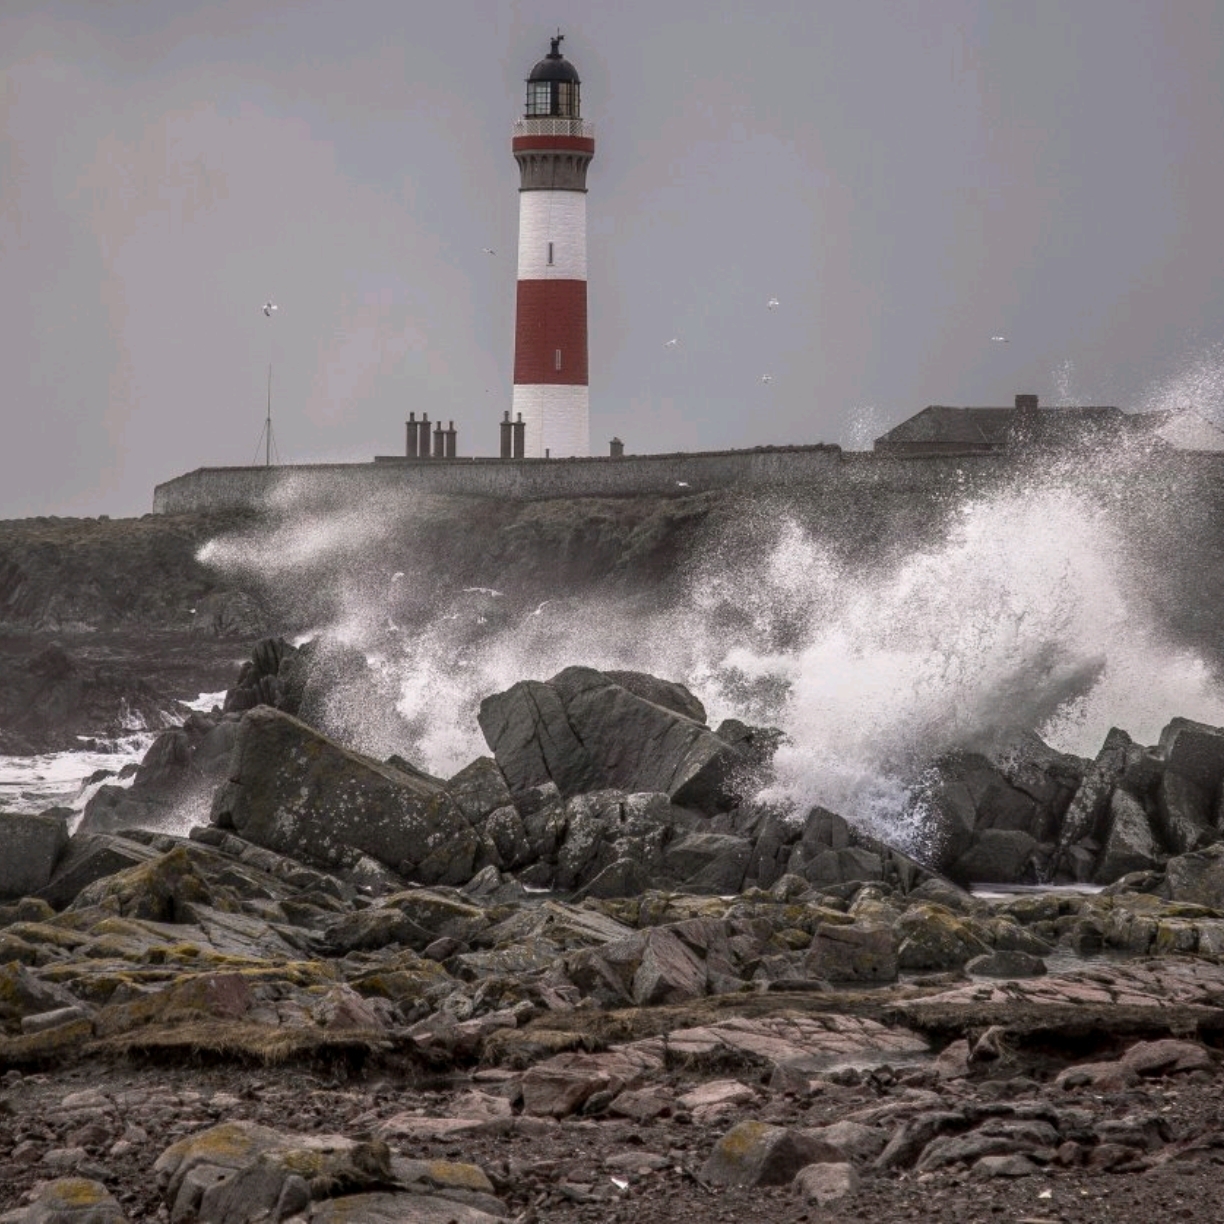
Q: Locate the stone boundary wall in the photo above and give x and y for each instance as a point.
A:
(777, 468)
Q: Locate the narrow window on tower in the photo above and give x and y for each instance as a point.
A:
(557, 358)
(550, 254)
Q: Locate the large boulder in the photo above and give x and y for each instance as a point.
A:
(32, 844)
(1197, 878)
(585, 732)
(298, 793)
(1089, 811)
(1130, 844)
(1195, 751)
(830, 851)
(1021, 787)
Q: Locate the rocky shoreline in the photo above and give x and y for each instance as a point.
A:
(588, 976)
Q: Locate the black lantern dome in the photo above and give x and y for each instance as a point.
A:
(553, 86)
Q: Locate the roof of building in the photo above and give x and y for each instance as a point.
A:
(941, 425)
(554, 66)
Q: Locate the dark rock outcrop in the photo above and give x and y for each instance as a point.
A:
(31, 847)
(584, 732)
(299, 793)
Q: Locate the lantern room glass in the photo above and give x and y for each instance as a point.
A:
(553, 98)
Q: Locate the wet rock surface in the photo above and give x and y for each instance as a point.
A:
(590, 978)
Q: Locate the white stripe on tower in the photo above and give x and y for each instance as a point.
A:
(557, 218)
(553, 147)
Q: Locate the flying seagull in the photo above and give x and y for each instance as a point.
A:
(999, 339)
(268, 307)
(773, 303)
(682, 484)
(488, 250)
(675, 340)
(540, 608)
(485, 591)
(767, 378)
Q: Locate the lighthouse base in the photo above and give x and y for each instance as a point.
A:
(557, 417)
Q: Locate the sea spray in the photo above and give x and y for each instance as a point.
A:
(1030, 602)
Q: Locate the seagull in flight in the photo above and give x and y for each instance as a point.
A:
(488, 250)
(773, 303)
(485, 591)
(540, 608)
(268, 307)
(999, 339)
(767, 378)
(682, 484)
(672, 343)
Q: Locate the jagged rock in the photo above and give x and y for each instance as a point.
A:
(260, 681)
(1130, 844)
(932, 937)
(1185, 812)
(584, 732)
(771, 849)
(827, 1183)
(1006, 965)
(295, 791)
(479, 790)
(998, 856)
(854, 1140)
(90, 857)
(1085, 818)
(240, 1171)
(561, 1085)
(708, 862)
(175, 778)
(830, 852)
(860, 951)
(32, 846)
(1197, 877)
(754, 1153)
(647, 968)
(69, 1200)
(665, 693)
(1194, 751)
(601, 828)
(23, 993)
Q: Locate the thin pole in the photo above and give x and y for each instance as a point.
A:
(268, 422)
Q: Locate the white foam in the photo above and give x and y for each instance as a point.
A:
(1024, 613)
(57, 779)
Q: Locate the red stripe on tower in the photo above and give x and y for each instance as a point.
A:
(553, 147)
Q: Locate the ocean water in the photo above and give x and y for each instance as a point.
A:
(68, 779)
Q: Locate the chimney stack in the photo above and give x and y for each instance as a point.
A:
(507, 436)
(410, 444)
(616, 449)
(520, 437)
(452, 439)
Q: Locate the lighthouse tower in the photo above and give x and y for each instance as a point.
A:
(553, 147)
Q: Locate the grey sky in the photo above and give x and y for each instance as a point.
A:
(908, 179)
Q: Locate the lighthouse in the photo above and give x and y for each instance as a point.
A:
(553, 146)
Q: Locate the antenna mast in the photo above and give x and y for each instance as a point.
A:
(268, 422)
